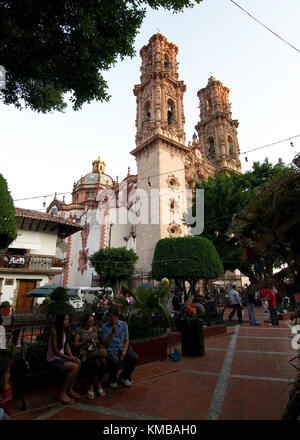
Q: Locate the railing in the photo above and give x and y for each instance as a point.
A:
(37, 262)
(29, 326)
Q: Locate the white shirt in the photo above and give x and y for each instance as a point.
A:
(2, 337)
(234, 297)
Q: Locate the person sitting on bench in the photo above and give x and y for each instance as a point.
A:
(59, 357)
(95, 365)
(5, 387)
(115, 338)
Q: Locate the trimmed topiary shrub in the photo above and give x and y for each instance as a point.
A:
(186, 259)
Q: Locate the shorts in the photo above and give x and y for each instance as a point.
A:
(57, 364)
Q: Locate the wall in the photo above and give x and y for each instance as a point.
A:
(39, 243)
(9, 292)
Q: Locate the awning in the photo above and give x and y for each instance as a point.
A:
(45, 291)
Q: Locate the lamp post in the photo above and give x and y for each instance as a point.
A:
(109, 242)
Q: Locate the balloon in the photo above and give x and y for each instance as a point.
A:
(166, 281)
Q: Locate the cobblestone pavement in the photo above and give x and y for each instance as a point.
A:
(244, 375)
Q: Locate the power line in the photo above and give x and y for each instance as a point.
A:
(270, 30)
(269, 145)
(161, 174)
(40, 197)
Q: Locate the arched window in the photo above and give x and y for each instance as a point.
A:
(208, 104)
(147, 111)
(230, 145)
(171, 112)
(211, 153)
(166, 62)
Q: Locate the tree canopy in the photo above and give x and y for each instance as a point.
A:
(114, 265)
(186, 259)
(269, 229)
(53, 47)
(224, 196)
(8, 224)
(59, 302)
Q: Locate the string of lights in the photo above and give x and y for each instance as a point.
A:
(168, 172)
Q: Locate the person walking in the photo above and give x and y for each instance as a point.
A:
(271, 298)
(250, 302)
(236, 303)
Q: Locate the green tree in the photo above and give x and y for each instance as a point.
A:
(269, 226)
(59, 303)
(224, 196)
(8, 224)
(186, 259)
(53, 47)
(114, 266)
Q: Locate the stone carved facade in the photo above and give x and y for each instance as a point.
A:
(164, 163)
(161, 153)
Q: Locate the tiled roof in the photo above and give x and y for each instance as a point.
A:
(29, 213)
(66, 227)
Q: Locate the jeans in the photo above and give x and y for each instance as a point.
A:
(251, 313)
(236, 308)
(273, 315)
(113, 360)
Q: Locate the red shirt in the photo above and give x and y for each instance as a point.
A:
(271, 298)
(5, 401)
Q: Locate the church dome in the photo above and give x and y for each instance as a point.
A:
(96, 178)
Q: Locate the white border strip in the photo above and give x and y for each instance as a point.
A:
(216, 404)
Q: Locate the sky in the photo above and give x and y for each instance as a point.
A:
(41, 154)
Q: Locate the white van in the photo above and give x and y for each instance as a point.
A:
(87, 293)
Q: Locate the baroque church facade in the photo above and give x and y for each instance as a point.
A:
(148, 206)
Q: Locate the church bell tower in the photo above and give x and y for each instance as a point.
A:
(217, 130)
(160, 147)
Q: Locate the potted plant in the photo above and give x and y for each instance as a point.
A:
(5, 308)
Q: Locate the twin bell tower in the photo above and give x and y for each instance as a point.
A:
(164, 162)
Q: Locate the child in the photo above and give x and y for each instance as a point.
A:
(5, 387)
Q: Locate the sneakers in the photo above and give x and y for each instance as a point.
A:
(113, 385)
(256, 323)
(125, 382)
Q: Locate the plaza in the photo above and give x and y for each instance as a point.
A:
(244, 375)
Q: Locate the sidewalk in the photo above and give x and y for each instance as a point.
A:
(244, 375)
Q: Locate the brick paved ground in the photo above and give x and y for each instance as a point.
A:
(244, 375)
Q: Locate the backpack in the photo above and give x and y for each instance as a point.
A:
(191, 308)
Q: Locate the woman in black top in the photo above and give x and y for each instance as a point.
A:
(85, 335)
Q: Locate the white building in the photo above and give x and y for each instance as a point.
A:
(30, 261)
(127, 214)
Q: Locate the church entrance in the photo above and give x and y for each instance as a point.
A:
(24, 304)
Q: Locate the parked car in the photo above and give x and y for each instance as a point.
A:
(87, 294)
(76, 303)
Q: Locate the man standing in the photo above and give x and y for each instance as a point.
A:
(250, 301)
(115, 338)
(271, 298)
(235, 301)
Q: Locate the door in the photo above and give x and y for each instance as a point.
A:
(24, 304)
